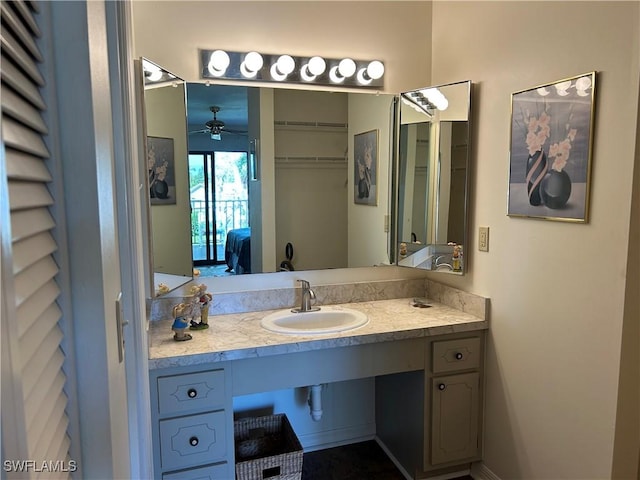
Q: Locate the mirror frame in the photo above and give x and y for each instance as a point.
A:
(457, 260)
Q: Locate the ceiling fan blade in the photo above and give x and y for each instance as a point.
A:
(206, 130)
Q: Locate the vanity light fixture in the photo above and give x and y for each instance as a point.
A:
(262, 67)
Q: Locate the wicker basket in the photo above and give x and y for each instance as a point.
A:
(267, 448)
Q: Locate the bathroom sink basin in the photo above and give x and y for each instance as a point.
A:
(328, 319)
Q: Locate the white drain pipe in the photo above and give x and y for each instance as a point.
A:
(315, 402)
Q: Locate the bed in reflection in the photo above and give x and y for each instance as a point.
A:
(237, 251)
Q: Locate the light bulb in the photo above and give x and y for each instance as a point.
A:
(251, 64)
(218, 63)
(285, 64)
(375, 70)
(347, 67)
(316, 65)
(363, 78)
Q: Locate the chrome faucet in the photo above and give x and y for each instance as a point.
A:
(307, 296)
(437, 264)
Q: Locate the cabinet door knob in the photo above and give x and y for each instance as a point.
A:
(441, 386)
(192, 393)
(193, 441)
(459, 356)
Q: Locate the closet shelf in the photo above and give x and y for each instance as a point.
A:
(310, 162)
(304, 126)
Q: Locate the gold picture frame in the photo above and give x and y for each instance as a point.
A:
(550, 150)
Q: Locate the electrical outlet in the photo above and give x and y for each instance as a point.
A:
(483, 239)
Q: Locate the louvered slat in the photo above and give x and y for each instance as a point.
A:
(34, 337)
(21, 31)
(29, 312)
(29, 281)
(22, 166)
(48, 360)
(23, 9)
(18, 108)
(54, 408)
(56, 427)
(49, 390)
(29, 195)
(25, 223)
(13, 76)
(29, 251)
(55, 439)
(14, 50)
(20, 137)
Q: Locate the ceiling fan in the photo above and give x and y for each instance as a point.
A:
(216, 127)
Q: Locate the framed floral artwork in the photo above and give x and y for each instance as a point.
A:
(365, 171)
(550, 152)
(160, 164)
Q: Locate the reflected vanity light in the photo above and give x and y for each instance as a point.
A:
(582, 86)
(256, 66)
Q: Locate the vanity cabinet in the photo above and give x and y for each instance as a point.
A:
(428, 402)
(192, 422)
(430, 421)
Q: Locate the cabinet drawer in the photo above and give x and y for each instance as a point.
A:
(210, 472)
(183, 393)
(459, 354)
(192, 440)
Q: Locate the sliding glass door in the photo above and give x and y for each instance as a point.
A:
(219, 202)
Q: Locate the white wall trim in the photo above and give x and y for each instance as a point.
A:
(479, 471)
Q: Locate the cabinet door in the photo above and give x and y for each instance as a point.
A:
(454, 417)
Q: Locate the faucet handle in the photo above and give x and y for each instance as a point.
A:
(305, 285)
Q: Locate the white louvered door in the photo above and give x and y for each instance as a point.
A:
(34, 401)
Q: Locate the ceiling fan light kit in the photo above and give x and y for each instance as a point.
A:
(215, 128)
(279, 68)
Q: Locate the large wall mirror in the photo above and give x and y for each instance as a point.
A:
(277, 179)
(432, 177)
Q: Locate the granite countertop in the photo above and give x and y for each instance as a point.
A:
(240, 335)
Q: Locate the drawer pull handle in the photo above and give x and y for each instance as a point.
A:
(192, 393)
(193, 441)
(459, 356)
(441, 386)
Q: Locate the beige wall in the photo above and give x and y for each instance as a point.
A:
(398, 33)
(557, 289)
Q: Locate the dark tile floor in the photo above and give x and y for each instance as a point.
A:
(358, 461)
